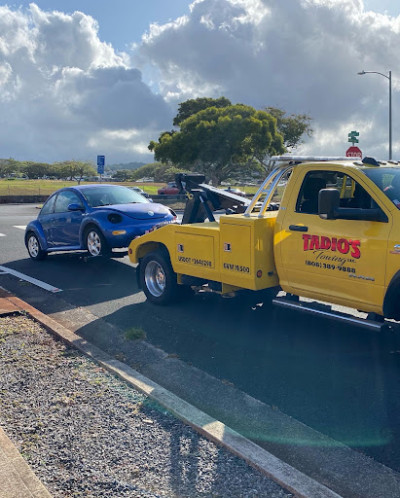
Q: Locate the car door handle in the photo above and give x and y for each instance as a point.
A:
(298, 228)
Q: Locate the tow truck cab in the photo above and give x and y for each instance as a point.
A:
(323, 229)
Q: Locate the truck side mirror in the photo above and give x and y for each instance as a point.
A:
(328, 203)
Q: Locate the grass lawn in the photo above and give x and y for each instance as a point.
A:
(47, 187)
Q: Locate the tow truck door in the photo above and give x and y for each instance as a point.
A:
(326, 259)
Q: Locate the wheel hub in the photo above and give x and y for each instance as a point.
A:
(154, 277)
(93, 243)
(33, 246)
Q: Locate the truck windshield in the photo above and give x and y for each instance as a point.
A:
(388, 180)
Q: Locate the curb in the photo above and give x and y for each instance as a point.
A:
(298, 483)
(16, 477)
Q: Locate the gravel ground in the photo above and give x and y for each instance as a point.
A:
(86, 433)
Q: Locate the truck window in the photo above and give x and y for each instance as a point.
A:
(352, 194)
(388, 180)
(307, 201)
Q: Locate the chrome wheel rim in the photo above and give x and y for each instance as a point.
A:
(93, 243)
(33, 246)
(155, 279)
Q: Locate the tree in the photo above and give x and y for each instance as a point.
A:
(216, 141)
(193, 106)
(8, 166)
(122, 175)
(291, 127)
(159, 171)
(36, 170)
(76, 170)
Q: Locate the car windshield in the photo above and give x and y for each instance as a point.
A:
(388, 180)
(104, 196)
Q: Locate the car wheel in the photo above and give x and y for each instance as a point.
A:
(33, 246)
(158, 279)
(96, 243)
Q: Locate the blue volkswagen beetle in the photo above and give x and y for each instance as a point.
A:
(96, 218)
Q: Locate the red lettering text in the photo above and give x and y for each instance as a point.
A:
(344, 246)
(355, 251)
(306, 239)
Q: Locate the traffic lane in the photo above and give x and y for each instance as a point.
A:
(18, 210)
(13, 219)
(83, 280)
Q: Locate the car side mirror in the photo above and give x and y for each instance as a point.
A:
(328, 203)
(75, 206)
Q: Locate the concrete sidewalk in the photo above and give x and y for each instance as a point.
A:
(18, 480)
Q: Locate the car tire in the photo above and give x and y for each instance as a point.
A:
(95, 243)
(158, 279)
(33, 246)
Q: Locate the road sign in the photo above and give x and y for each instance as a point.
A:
(353, 152)
(352, 137)
(100, 164)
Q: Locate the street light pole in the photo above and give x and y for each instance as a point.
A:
(388, 77)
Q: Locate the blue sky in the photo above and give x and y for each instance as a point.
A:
(71, 86)
(121, 22)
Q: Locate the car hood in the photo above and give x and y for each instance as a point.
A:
(138, 210)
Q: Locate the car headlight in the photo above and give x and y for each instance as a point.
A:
(114, 218)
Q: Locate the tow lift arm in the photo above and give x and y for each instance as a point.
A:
(204, 199)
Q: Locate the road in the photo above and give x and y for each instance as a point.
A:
(340, 380)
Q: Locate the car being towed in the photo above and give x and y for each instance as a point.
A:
(96, 218)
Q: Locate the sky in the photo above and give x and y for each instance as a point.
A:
(80, 78)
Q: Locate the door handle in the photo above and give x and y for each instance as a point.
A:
(298, 228)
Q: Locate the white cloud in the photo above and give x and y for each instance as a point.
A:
(300, 55)
(65, 94)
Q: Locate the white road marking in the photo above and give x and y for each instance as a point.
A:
(27, 278)
(2, 234)
(21, 227)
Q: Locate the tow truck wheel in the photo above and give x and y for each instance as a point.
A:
(158, 279)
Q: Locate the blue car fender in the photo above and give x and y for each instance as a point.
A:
(36, 227)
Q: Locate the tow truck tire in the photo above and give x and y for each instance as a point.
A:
(158, 279)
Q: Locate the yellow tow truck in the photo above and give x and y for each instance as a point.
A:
(325, 229)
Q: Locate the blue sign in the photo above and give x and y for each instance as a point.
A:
(100, 164)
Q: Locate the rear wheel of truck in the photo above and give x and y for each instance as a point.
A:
(158, 279)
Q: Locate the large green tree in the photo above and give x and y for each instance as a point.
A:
(193, 106)
(291, 127)
(218, 140)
